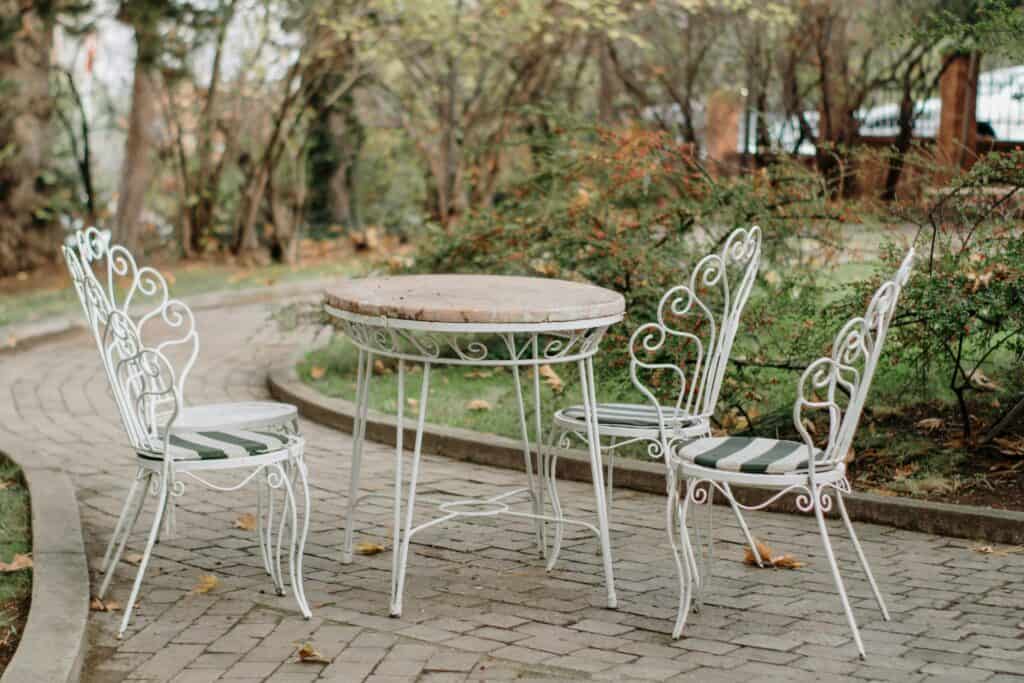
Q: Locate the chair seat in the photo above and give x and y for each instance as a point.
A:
(747, 455)
(640, 415)
(221, 445)
(246, 415)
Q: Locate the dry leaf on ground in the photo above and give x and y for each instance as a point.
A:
(785, 561)
(6, 484)
(18, 563)
(1010, 446)
(929, 424)
(479, 374)
(369, 548)
(551, 378)
(246, 521)
(98, 605)
(308, 654)
(206, 583)
(316, 372)
(998, 552)
(414, 404)
(981, 382)
(478, 404)
(132, 558)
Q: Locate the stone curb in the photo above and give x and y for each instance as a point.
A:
(52, 647)
(945, 519)
(29, 335)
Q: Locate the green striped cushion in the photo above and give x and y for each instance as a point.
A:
(747, 455)
(220, 445)
(630, 415)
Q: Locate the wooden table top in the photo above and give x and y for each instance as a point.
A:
(483, 299)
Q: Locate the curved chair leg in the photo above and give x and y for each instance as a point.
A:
(689, 564)
(126, 532)
(743, 525)
(161, 509)
(549, 467)
(611, 475)
(840, 588)
(860, 555)
(295, 544)
(129, 500)
(307, 512)
(261, 509)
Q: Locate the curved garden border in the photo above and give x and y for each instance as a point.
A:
(960, 521)
(52, 647)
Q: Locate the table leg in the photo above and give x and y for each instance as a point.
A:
(402, 537)
(364, 372)
(531, 480)
(586, 370)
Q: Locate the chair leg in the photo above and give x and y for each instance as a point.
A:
(860, 555)
(549, 468)
(131, 520)
(822, 527)
(123, 517)
(743, 525)
(611, 476)
(364, 374)
(691, 577)
(161, 509)
(297, 542)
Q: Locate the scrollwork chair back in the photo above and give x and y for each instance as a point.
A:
(163, 323)
(839, 383)
(703, 315)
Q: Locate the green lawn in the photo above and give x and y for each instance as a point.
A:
(15, 538)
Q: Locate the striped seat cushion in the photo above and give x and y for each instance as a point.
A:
(630, 415)
(220, 445)
(747, 455)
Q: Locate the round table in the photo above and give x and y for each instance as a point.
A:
(478, 320)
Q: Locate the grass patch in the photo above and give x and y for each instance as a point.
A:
(15, 538)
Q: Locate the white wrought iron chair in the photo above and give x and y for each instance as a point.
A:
(703, 316)
(838, 383)
(143, 292)
(148, 394)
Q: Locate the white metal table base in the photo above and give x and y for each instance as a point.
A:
(576, 347)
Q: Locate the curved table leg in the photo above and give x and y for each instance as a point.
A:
(363, 374)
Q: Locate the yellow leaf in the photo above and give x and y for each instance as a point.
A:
(316, 372)
(786, 561)
(246, 521)
(206, 583)
(308, 654)
(98, 605)
(551, 378)
(19, 562)
(478, 404)
(369, 548)
(132, 558)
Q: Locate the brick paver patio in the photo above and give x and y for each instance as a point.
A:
(479, 605)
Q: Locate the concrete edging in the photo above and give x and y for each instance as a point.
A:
(53, 645)
(960, 521)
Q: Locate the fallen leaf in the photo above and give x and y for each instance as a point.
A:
(308, 654)
(246, 521)
(98, 605)
(132, 558)
(929, 424)
(998, 552)
(6, 484)
(316, 372)
(478, 404)
(785, 561)
(479, 374)
(981, 382)
(551, 378)
(369, 548)
(905, 471)
(19, 562)
(170, 278)
(379, 368)
(206, 583)
(414, 404)
(1009, 446)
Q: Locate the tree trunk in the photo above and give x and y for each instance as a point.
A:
(27, 238)
(137, 168)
